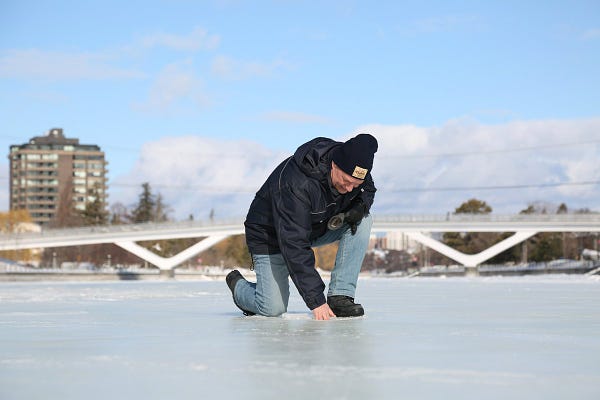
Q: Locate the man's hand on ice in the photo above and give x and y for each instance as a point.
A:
(323, 312)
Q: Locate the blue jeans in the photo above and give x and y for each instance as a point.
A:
(270, 294)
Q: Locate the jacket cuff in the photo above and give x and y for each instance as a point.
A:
(316, 301)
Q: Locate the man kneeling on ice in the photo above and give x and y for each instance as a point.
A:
(321, 194)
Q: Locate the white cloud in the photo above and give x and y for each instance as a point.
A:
(586, 167)
(413, 164)
(99, 65)
(175, 88)
(229, 68)
(197, 174)
(53, 65)
(198, 39)
(294, 117)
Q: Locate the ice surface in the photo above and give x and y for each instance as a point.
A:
(426, 338)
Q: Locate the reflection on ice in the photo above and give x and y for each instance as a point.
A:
(529, 337)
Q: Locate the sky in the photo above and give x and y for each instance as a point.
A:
(495, 100)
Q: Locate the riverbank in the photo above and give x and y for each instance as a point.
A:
(28, 274)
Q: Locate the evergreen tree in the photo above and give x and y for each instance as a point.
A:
(95, 211)
(145, 208)
(463, 241)
(161, 210)
(547, 246)
(473, 206)
(529, 210)
(562, 209)
(475, 242)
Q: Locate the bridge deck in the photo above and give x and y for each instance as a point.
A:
(400, 223)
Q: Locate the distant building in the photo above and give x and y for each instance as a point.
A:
(398, 241)
(393, 241)
(52, 168)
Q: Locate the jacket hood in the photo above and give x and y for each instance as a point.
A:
(314, 157)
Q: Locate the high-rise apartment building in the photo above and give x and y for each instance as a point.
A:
(52, 169)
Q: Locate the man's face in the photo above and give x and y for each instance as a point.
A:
(341, 181)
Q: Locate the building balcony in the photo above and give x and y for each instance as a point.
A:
(40, 185)
(39, 168)
(40, 208)
(42, 201)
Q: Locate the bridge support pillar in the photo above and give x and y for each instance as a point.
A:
(167, 273)
(471, 261)
(167, 265)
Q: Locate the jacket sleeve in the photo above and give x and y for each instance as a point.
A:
(292, 221)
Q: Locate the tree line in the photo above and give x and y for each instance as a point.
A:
(543, 247)
(151, 207)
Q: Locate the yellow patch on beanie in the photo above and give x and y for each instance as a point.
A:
(359, 172)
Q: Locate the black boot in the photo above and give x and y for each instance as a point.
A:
(232, 278)
(344, 306)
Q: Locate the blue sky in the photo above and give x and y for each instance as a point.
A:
(222, 90)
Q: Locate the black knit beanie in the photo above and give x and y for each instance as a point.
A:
(355, 157)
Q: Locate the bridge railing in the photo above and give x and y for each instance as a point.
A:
(147, 226)
(489, 218)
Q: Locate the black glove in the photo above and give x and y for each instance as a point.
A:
(355, 214)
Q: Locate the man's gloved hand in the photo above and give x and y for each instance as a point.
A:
(355, 214)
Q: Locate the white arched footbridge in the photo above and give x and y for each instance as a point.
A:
(416, 227)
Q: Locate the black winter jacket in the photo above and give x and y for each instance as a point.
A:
(292, 209)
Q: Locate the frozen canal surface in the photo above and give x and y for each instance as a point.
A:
(424, 338)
